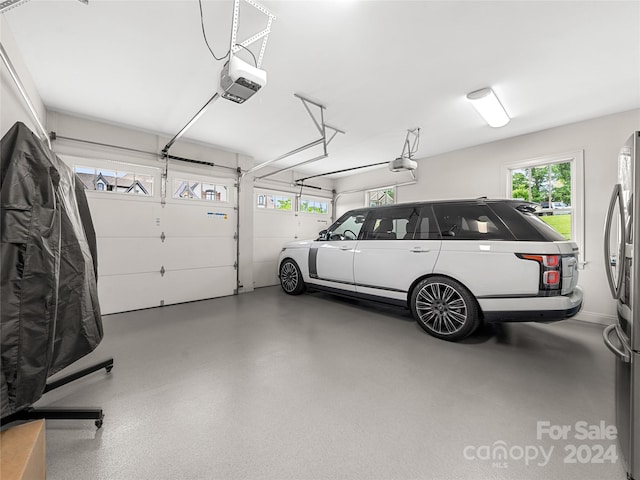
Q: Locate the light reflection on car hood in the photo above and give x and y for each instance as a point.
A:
(298, 244)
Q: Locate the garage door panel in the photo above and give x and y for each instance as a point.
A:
(198, 226)
(272, 230)
(198, 252)
(273, 223)
(122, 217)
(269, 248)
(310, 225)
(194, 219)
(203, 283)
(120, 293)
(128, 255)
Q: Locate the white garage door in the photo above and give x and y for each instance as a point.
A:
(151, 254)
(282, 217)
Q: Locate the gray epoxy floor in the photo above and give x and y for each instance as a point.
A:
(268, 386)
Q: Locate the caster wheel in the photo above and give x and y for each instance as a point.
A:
(108, 369)
(98, 422)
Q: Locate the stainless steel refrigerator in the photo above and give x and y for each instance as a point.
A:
(622, 260)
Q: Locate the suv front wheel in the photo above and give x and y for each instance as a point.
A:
(291, 278)
(444, 308)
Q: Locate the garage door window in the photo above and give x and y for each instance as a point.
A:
(273, 202)
(196, 190)
(117, 181)
(313, 206)
(384, 196)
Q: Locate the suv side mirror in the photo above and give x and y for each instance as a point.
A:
(322, 235)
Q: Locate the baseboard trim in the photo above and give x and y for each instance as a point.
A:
(598, 318)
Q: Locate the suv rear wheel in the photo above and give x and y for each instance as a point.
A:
(444, 308)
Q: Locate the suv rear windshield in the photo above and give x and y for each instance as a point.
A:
(524, 224)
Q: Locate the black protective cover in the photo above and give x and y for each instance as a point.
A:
(49, 311)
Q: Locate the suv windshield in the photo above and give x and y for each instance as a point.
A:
(347, 227)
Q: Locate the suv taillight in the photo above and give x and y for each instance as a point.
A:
(550, 271)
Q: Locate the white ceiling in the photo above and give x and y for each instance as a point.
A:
(379, 67)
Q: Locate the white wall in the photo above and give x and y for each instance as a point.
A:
(479, 171)
(12, 107)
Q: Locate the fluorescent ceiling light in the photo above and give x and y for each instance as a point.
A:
(488, 105)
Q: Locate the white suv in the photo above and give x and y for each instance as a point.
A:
(453, 263)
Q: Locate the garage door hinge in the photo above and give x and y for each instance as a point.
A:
(162, 237)
(162, 271)
(235, 265)
(235, 236)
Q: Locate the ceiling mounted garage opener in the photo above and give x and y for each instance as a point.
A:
(410, 147)
(239, 80)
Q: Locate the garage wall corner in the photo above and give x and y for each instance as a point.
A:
(14, 108)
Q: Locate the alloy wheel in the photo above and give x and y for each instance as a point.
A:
(289, 277)
(441, 308)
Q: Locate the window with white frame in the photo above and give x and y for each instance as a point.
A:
(196, 190)
(312, 205)
(273, 202)
(383, 196)
(555, 184)
(119, 181)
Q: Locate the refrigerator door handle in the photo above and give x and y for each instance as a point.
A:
(618, 352)
(614, 285)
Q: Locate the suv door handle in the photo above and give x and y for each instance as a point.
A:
(345, 247)
(419, 250)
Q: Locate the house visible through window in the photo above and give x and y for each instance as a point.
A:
(115, 181)
(383, 196)
(197, 190)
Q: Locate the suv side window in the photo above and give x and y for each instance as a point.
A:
(464, 221)
(391, 223)
(427, 227)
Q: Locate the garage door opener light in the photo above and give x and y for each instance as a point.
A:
(239, 81)
(409, 148)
